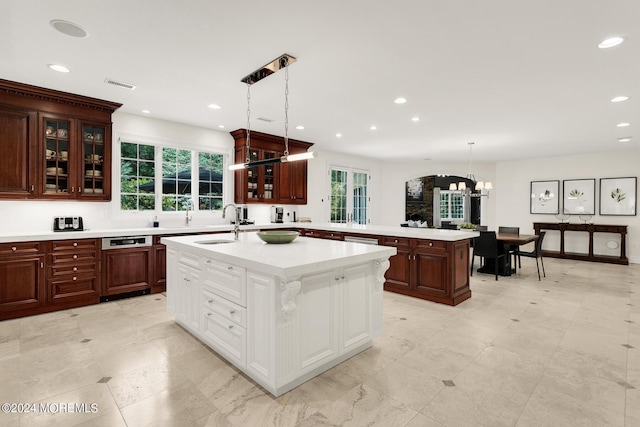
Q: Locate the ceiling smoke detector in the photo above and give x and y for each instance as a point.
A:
(119, 84)
(68, 28)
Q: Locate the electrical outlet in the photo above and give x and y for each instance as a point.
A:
(104, 215)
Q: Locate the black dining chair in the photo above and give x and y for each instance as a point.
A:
(512, 249)
(535, 253)
(486, 246)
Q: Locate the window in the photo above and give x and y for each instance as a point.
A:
(181, 178)
(137, 172)
(451, 205)
(349, 196)
(210, 176)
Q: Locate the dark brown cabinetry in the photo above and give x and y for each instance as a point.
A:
(160, 266)
(284, 183)
(434, 270)
(55, 145)
(127, 270)
(73, 272)
(22, 284)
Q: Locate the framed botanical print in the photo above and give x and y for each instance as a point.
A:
(579, 196)
(545, 197)
(618, 196)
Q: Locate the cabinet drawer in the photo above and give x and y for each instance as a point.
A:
(225, 337)
(77, 257)
(74, 287)
(396, 241)
(20, 248)
(438, 245)
(74, 245)
(225, 280)
(73, 269)
(192, 261)
(226, 309)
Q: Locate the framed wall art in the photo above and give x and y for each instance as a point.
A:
(618, 196)
(545, 197)
(579, 196)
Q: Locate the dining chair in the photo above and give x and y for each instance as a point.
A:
(486, 246)
(512, 249)
(535, 253)
(482, 228)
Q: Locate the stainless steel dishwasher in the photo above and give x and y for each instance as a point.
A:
(365, 240)
(127, 266)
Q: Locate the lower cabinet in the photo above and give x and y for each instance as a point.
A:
(126, 270)
(73, 272)
(434, 270)
(159, 283)
(22, 279)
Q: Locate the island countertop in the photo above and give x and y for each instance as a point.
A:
(302, 256)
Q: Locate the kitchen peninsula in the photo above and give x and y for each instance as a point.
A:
(281, 313)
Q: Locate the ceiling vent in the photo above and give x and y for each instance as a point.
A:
(264, 119)
(119, 84)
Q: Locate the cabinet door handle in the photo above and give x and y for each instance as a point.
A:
(430, 243)
(409, 257)
(208, 261)
(232, 312)
(414, 257)
(42, 265)
(75, 243)
(33, 188)
(75, 256)
(209, 301)
(13, 248)
(230, 268)
(75, 268)
(396, 241)
(73, 189)
(230, 326)
(208, 314)
(75, 278)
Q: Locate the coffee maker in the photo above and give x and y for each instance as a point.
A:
(277, 214)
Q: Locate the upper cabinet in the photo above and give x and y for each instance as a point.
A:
(282, 183)
(55, 145)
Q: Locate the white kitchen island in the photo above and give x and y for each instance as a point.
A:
(281, 313)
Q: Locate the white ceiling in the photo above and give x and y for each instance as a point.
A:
(521, 78)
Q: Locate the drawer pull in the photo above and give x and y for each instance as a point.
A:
(75, 278)
(208, 314)
(13, 248)
(75, 243)
(232, 312)
(209, 301)
(75, 256)
(75, 268)
(230, 268)
(208, 261)
(230, 326)
(396, 241)
(430, 243)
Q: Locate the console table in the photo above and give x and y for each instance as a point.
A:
(589, 228)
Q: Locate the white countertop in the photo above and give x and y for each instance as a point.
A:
(302, 256)
(419, 233)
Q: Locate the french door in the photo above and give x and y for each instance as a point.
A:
(349, 195)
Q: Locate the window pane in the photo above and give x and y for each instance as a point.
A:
(128, 150)
(128, 202)
(210, 180)
(359, 198)
(147, 152)
(338, 196)
(136, 176)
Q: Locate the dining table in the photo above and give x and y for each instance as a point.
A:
(508, 239)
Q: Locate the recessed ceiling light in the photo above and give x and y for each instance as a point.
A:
(146, 111)
(624, 139)
(415, 119)
(338, 135)
(373, 127)
(619, 98)
(68, 28)
(214, 106)
(400, 100)
(221, 126)
(623, 125)
(59, 68)
(300, 127)
(613, 41)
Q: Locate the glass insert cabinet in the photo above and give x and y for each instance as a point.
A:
(76, 159)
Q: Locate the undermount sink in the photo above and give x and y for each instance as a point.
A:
(214, 242)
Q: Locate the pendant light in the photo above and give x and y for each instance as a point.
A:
(275, 65)
(483, 187)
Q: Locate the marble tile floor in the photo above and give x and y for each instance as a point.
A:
(522, 352)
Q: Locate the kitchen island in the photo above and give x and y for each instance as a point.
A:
(281, 313)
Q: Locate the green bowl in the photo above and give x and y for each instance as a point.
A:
(278, 236)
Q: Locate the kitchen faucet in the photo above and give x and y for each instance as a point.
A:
(188, 218)
(236, 226)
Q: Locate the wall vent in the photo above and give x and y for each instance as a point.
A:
(120, 84)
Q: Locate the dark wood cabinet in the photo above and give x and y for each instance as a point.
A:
(282, 183)
(73, 272)
(21, 279)
(434, 270)
(127, 270)
(159, 266)
(18, 130)
(55, 145)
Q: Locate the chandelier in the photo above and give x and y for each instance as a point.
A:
(282, 62)
(482, 187)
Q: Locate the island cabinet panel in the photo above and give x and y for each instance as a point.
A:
(261, 318)
(173, 296)
(356, 294)
(434, 270)
(187, 306)
(22, 279)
